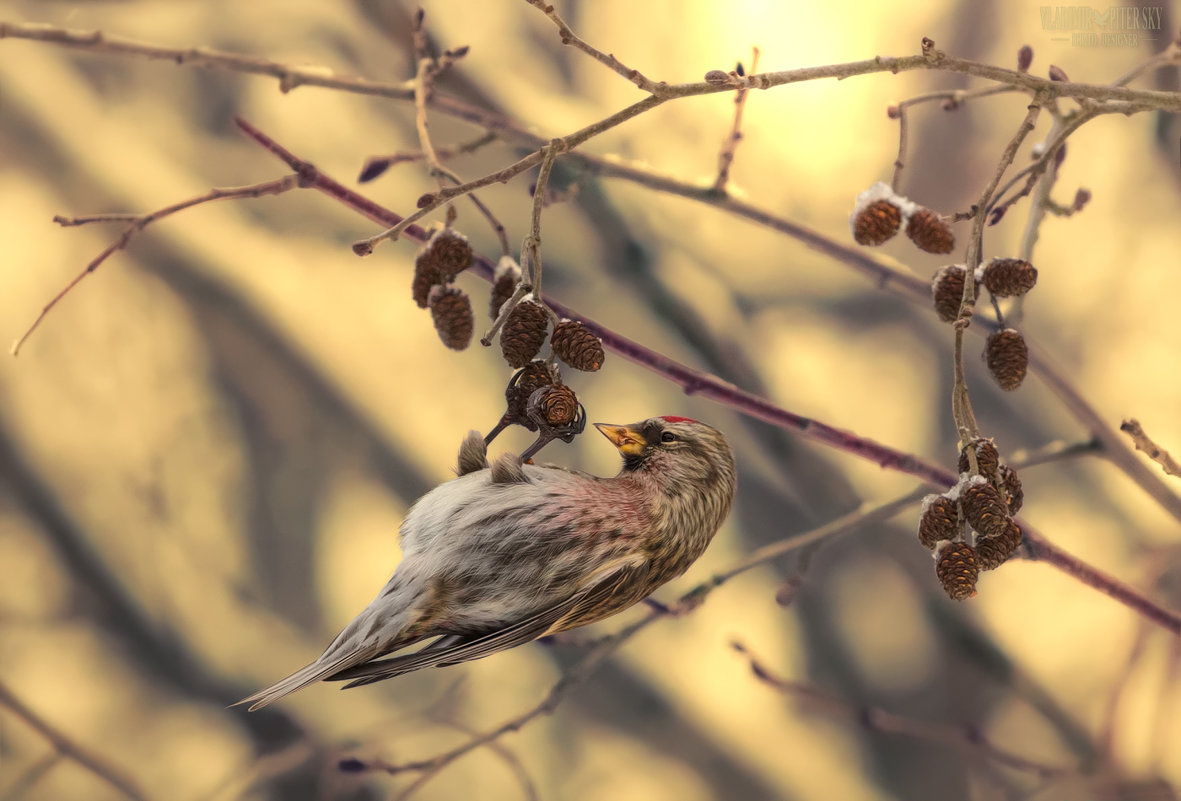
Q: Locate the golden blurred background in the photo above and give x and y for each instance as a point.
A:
(206, 450)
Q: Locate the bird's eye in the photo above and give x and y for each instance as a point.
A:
(668, 436)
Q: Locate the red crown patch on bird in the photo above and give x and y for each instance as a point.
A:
(670, 419)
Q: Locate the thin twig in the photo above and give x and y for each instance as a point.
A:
(1133, 429)
(730, 145)
(139, 223)
(291, 77)
(28, 780)
(532, 242)
(570, 38)
(961, 403)
(376, 165)
(965, 737)
(70, 749)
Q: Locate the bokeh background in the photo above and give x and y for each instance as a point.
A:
(206, 451)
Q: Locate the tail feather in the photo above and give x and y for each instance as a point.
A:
(310, 674)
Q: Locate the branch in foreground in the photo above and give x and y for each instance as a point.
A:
(965, 737)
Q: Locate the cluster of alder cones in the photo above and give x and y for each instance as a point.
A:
(1005, 352)
(970, 527)
(880, 212)
(536, 397)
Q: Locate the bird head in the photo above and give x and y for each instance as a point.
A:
(675, 450)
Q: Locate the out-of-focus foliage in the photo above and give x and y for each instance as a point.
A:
(207, 449)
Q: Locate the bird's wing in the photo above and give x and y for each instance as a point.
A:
(575, 610)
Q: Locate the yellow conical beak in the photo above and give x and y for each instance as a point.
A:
(629, 441)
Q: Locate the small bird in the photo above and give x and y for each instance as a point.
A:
(510, 551)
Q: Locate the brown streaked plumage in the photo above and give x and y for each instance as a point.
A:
(509, 552)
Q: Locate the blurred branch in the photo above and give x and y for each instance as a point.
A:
(965, 737)
(28, 780)
(138, 224)
(730, 145)
(1133, 429)
(70, 749)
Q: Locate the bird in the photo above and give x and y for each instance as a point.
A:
(509, 551)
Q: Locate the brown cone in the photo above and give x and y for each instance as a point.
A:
(504, 283)
(556, 405)
(1007, 358)
(523, 384)
(1009, 277)
(929, 232)
(987, 458)
(983, 508)
(577, 346)
(523, 333)
(450, 251)
(939, 521)
(452, 312)
(994, 552)
(1013, 488)
(958, 570)
(947, 289)
(876, 223)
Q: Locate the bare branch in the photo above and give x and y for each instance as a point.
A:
(1133, 429)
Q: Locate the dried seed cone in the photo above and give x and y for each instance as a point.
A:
(1009, 277)
(947, 290)
(556, 405)
(987, 458)
(877, 222)
(929, 232)
(523, 384)
(958, 569)
(450, 252)
(451, 310)
(1007, 358)
(939, 521)
(504, 283)
(577, 346)
(992, 553)
(983, 509)
(1013, 487)
(523, 333)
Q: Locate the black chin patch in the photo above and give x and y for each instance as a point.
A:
(634, 461)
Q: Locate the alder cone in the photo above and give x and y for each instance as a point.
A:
(451, 309)
(523, 333)
(930, 233)
(502, 289)
(983, 508)
(1013, 487)
(556, 405)
(947, 290)
(1009, 277)
(426, 275)
(521, 387)
(994, 552)
(450, 252)
(940, 520)
(574, 344)
(1007, 357)
(877, 222)
(958, 569)
(987, 458)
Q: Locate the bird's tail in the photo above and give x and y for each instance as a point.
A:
(371, 634)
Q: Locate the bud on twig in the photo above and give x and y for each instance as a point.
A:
(1024, 58)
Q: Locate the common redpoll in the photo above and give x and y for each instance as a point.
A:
(511, 551)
